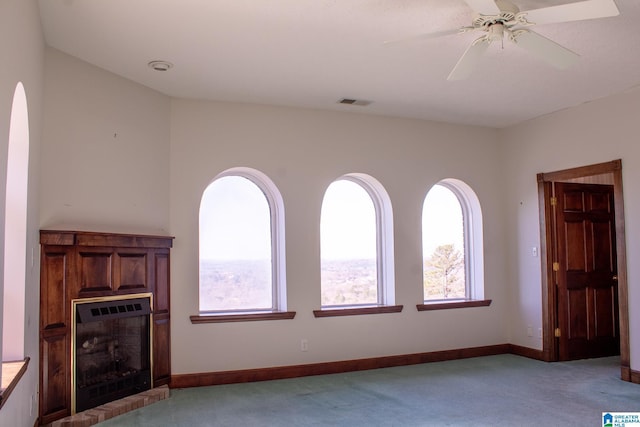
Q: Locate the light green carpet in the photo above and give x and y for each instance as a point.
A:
(502, 390)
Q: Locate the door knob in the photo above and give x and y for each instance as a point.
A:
(615, 277)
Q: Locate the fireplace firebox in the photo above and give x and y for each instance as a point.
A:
(112, 355)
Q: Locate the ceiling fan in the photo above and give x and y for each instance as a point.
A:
(500, 19)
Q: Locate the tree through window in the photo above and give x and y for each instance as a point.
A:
(443, 245)
(452, 243)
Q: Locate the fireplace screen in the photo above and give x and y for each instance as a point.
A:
(112, 351)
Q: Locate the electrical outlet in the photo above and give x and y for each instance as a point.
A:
(304, 344)
(529, 331)
(534, 251)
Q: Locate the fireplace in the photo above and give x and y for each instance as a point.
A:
(111, 349)
(81, 267)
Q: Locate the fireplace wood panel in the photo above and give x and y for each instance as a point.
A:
(95, 270)
(87, 265)
(132, 271)
(161, 357)
(55, 264)
(56, 397)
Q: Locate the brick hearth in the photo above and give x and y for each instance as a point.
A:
(112, 409)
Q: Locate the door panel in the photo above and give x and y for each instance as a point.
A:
(602, 251)
(575, 254)
(586, 285)
(605, 323)
(577, 321)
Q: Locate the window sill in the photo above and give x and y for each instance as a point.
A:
(243, 317)
(356, 311)
(446, 305)
(11, 374)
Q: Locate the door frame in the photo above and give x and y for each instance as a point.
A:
(549, 295)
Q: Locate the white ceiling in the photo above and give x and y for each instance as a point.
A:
(311, 53)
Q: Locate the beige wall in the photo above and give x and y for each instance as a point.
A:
(303, 151)
(22, 45)
(106, 148)
(601, 131)
(117, 156)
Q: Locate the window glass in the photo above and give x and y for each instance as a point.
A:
(443, 245)
(236, 268)
(349, 260)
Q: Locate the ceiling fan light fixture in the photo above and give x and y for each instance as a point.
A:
(496, 32)
(494, 18)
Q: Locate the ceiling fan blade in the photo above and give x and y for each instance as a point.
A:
(426, 36)
(545, 49)
(589, 9)
(467, 63)
(485, 7)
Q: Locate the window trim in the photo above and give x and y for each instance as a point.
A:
(384, 245)
(352, 310)
(278, 267)
(242, 317)
(16, 376)
(451, 304)
(473, 248)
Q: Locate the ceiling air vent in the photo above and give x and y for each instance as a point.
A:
(349, 101)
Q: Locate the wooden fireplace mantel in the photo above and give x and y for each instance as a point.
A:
(78, 264)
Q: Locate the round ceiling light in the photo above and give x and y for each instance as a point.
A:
(160, 65)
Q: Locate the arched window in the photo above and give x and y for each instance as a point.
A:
(452, 243)
(241, 244)
(356, 243)
(15, 230)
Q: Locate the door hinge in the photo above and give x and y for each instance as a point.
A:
(557, 333)
(556, 266)
(554, 201)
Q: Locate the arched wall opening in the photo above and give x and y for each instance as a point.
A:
(15, 229)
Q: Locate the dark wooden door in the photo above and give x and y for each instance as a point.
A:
(587, 288)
